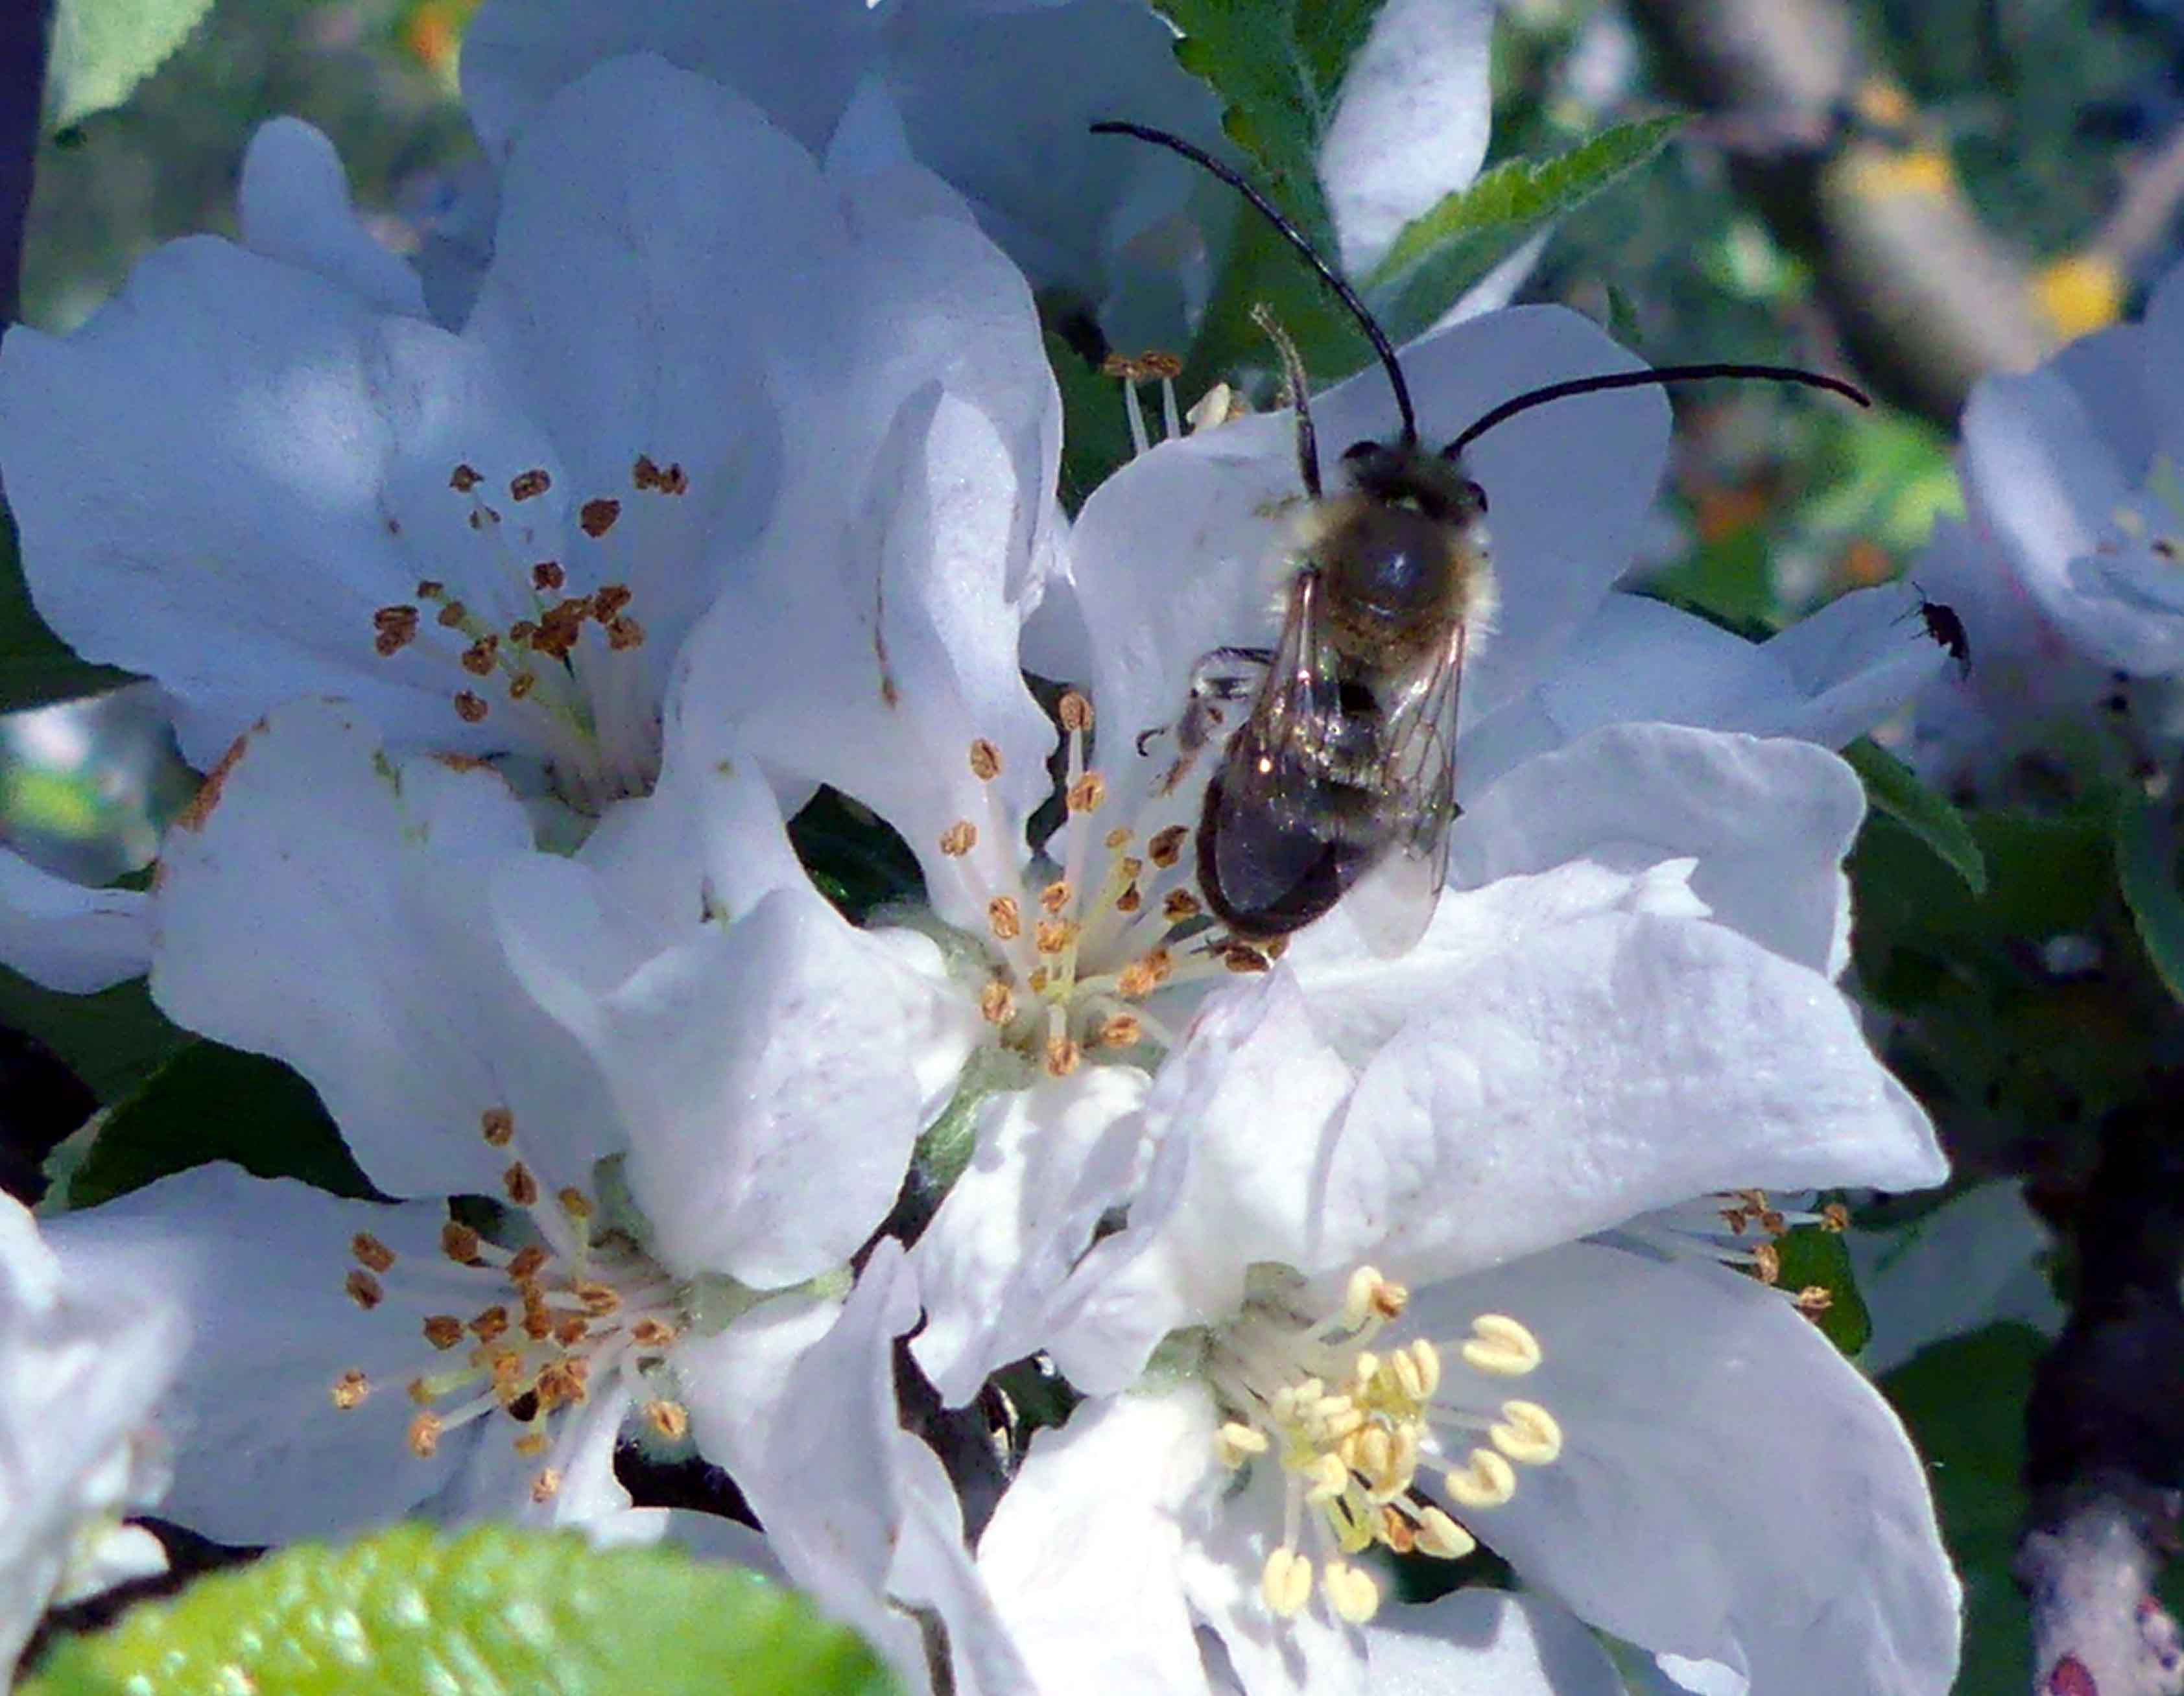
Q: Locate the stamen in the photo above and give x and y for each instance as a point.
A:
(1528, 1433)
(959, 839)
(985, 760)
(1350, 1592)
(1004, 918)
(350, 1390)
(1075, 712)
(1488, 1481)
(1286, 1584)
(1501, 1346)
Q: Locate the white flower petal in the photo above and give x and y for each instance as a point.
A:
(86, 1359)
(657, 288)
(1979, 1258)
(1767, 823)
(1410, 125)
(797, 59)
(1486, 1643)
(1050, 1160)
(1625, 1063)
(2043, 480)
(763, 1071)
(1083, 1556)
(1688, 1395)
(1240, 1115)
(69, 937)
(811, 1432)
(292, 204)
(904, 613)
(256, 1268)
(223, 474)
(1555, 556)
(329, 907)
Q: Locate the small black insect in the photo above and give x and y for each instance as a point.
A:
(1946, 630)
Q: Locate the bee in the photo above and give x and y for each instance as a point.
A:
(1945, 629)
(1339, 783)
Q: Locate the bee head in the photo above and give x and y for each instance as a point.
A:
(1393, 475)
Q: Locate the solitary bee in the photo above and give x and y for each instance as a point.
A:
(1339, 783)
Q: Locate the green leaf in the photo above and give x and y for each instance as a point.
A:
(2146, 867)
(101, 49)
(410, 1612)
(37, 667)
(1440, 255)
(1814, 1257)
(114, 1040)
(1095, 432)
(1964, 1402)
(1277, 66)
(1893, 788)
(211, 1103)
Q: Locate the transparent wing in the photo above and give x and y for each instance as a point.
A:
(1275, 855)
(1394, 899)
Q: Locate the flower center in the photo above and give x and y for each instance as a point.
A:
(535, 631)
(530, 1332)
(1108, 917)
(1366, 1438)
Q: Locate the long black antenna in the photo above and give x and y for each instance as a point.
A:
(1630, 380)
(1295, 237)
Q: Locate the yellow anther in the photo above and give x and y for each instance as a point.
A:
(370, 1253)
(959, 839)
(496, 1125)
(425, 1435)
(1350, 1592)
(1328, 1478)
(1004, 918)
(1054, 898)
(1814, 1299)
(545, 1487)
(1442, 1537)
(985, 760)
(997, 1001)
(1498, 1345)
(1835, 1217)
(1528, 1433)
(1088, 794)
(1075, 712)
(1235, 1443)
(1286, 1584)
(1118, 838)
(1767, 1263)
(1122, 1031)
(350, 1389)
(671, 1420)
(1055, 936)
(1063, 1056)
(1418, 1370)
(1487, 1482)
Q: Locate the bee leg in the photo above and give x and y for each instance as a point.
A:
(1221, 677)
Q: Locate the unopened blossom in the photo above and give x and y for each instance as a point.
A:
(2067, 571)
(88, 1353)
